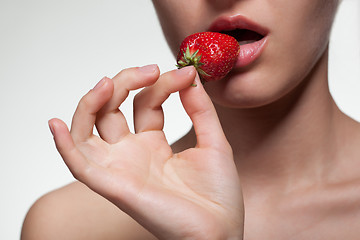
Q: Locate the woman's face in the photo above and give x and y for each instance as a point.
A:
(283, 42)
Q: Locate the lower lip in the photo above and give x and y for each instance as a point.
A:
(250, 52)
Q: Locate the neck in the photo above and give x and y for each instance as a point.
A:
(287, 142)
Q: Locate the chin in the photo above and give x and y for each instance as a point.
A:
(239, 91)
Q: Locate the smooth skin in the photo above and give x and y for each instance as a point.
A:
(168, 193)
(270, 155)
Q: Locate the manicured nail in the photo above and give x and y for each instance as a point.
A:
(51, 128)
(100, 83)
(148, 68)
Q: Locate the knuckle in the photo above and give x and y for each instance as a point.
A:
(84, 103)
(78, 174)
(124, 74)
(138, 99)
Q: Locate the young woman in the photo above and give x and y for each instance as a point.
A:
(270, 155)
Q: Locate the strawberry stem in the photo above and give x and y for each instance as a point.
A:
(193, 59)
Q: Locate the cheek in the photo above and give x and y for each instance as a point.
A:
(302, 26)
(255, 88)
(299, 43)
(179, 19)
(294, 47)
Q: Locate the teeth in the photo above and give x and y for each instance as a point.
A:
(246, 42)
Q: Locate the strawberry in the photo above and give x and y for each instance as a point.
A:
(212, 54)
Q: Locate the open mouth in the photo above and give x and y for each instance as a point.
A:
(239, 27)
(244, 36)
(251, 36)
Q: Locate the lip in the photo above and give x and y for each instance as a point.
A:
(248, 52)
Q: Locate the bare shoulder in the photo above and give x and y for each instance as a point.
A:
(344, 175)
(338, 201)
(76, 212)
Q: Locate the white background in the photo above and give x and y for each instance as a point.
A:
(53, 52)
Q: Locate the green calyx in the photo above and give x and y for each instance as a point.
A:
(189, 59)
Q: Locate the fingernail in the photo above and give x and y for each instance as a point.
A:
(185, 70)
(51, 128)
(100, 83)
(148, 68)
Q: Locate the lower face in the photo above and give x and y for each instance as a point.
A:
(293, 36)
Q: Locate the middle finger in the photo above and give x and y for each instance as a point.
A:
(110, 122)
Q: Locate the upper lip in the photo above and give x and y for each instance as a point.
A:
(228, 23)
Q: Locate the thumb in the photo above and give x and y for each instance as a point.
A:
(202, 113)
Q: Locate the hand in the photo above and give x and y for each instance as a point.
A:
(194, 194)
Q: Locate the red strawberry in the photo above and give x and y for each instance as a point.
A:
(212, 54)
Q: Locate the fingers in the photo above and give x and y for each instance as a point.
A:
(85, 115)
(110, 122)
(75, 161)
(202, 113)
(81, 168)
(148, 114)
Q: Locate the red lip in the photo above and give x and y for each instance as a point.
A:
(248, 52)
